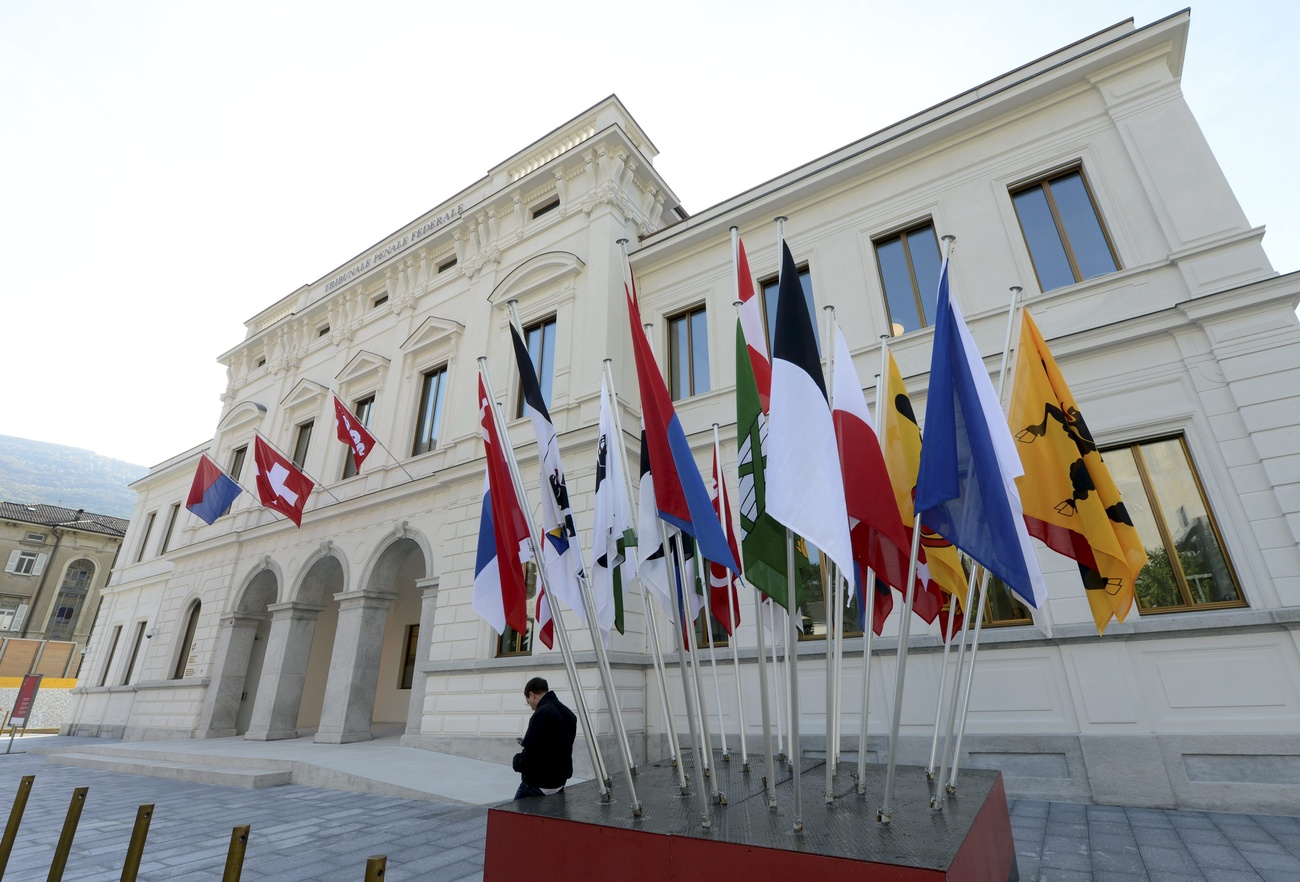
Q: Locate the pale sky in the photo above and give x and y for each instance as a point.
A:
(169, 169)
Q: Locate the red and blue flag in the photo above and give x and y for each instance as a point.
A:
(212, 491)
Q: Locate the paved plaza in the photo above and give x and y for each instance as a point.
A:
(309, 833)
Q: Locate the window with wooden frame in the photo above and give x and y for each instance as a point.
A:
(1067, 241)
(909, 263)
(512, 642)
(771, 288)
(429, 416)
(301, 442)
(186, 649)
(410, 651)
(815, 595)
(361, 409)
(539, 337)
(1187, 562)
(688, 353)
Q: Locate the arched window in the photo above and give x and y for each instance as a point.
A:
(186, 651)
(72, 596)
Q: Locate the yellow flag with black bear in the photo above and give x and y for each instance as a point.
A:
(1071, 502)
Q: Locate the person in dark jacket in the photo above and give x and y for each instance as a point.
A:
(546, 760)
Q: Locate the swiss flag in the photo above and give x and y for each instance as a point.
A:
(352, 433)
(281, 486)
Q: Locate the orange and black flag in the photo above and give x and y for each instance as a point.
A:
(900, 441)
(1071, 502)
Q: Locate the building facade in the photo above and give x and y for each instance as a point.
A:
(57, 561)
(1081, 177)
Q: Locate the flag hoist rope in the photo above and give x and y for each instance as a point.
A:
(589, 733)
(732, 609)
(597, 639)
(652, 628)
(674, 580)
(951, 786)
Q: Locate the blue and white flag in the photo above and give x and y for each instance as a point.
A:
(562, 560)
(966, 485)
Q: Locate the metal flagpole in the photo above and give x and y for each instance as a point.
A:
(688, 634)
(395, 460)
(886, 808)
(943, 673)
(975, 639)
(793, 657)
(778, 677)
(315, 481)
(597, 761)
(598, 644)
(938, 800)
(870, 592)
(832, 571)
(675, 583)
(652, 628)
(703, 565)
(732, 609)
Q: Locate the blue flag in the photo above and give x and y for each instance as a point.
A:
(965, 488)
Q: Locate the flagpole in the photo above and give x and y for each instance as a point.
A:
(937, 801)
(778, 680)
(983, 601)
(724, 515)
(566, 652)
(307, 474)
(884, 815)
(943, 674)
(674, 576)
(702, 567)
(832, 572)
(940, 797)
(598, 644)
(395, 460)
(693, 647)
(652, 628)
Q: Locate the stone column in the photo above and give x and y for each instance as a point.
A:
(354, 667)
(229, 667)
(428, 608)
(284, 671)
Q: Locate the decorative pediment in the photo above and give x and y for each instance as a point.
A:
(431, 332)
(304, 395)
(541, 271)
(246, 414)
(364, 366)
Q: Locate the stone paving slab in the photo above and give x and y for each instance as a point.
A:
(308, 834)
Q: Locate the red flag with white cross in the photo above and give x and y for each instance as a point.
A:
(281, 485)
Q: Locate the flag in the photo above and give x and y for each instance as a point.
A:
(805, 487)
(751, 318)
(561, 557)
(762, 539)
(281, 485)
(880, 541)
(545, 622)
(212, 491)
(722, 588)
(651, 530)
(612, 533)
(353, 433)
(938, 566)
(965, 486)
(1071, 502)
(680, 495)
(500, 595)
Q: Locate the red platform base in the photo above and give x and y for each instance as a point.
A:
(575, 836)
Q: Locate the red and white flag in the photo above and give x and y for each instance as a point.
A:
(281, 485)
(723, 602)
(353, 433)
(751, 319)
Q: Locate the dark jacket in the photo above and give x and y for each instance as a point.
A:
(547, 756)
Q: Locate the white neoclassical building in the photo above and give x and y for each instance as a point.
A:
(1081, 176)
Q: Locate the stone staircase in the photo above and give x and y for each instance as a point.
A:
(250, 773)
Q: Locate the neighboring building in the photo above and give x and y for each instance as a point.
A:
(1081, 176)
(57, 561)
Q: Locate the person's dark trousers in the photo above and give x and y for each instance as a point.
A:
(527, 790)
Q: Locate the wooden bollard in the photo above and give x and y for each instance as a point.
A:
(135, 850)
(376, 864)
(235, 856)
(15, 818)
(69, 830)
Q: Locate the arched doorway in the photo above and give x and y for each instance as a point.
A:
(237, 662)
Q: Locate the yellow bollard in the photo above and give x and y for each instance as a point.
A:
(235, 857)
(136, 849)
(15, 818)
(69, 830)
(375, 867)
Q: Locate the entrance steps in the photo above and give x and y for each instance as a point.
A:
(176, 767)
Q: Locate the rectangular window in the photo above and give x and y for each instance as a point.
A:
(409, 655)
(135, 652)
(1067, 242)
(688, 354)
(512, 642)
(429, 416)
(186, 648)
(112, 650)
(771, 288)
(322, 331)
(24, 563)
(8, 612)
(144, 540)
(909, 271)
(546, 208)
(237, 462)
(171, 524)
(815, 595)
(302, 442)
(540, 338)
(380, 300)
(35, 538)
(446, 265)
(1187, 564)
(361, 410)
